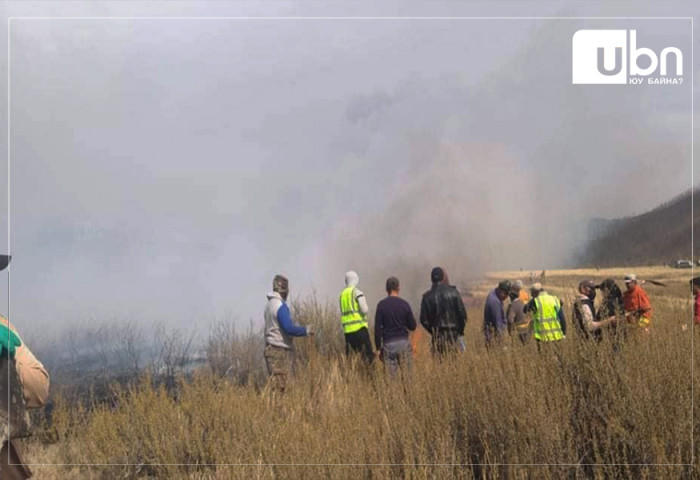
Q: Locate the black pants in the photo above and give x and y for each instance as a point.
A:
(359, 342)
(444, 342)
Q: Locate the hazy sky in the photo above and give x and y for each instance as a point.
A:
(167, 169)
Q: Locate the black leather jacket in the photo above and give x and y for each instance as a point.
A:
(442, 309)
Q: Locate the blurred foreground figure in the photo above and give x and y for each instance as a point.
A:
(695, 286)
(442, 313)
(279, 330)
(392, 323)
(495, 324)
(585, 315)
(637, 304)
(546, 316)
(518, 321)
(29, 388)
(353, 311)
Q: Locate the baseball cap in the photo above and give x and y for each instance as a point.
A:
(537, 286)
(587, 283)
(630, 278)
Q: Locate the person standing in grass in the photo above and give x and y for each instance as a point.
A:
(34, 384)
(495, 324)
(353, 318)
(279, 330)
(585, 315)
(637, 304)
(443, 315)
(516, 317)
(546, 316)
(392, 323)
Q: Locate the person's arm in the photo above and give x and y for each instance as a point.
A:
(510, 317)
(644, 303)
(378, 327)
(562, 319)
(424, 316)
(284, 318)
(362, 302)
(410, 319)
(34, 378)
(500, 316)
(461, 312)
(697, 311)
(530, 306)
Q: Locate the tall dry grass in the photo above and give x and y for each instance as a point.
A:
(578, 410)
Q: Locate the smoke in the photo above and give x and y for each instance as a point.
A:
(167, 170)
(504, 174)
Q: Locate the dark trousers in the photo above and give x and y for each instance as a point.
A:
(359, 342)
(445, 341)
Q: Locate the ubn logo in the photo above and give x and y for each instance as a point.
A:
(601, 56)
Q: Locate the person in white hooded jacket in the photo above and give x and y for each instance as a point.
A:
(279, 330)
(353, 318)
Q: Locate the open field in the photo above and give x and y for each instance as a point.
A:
(576, 411)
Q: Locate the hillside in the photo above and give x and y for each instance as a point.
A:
(662, 235)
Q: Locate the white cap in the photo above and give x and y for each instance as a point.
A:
(631, 277)
(536, 287)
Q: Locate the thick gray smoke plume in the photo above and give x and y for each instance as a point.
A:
(506, 174)
(166, 170)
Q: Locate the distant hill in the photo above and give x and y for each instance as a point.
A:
(662, 235)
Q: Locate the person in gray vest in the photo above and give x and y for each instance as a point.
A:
(279, 330)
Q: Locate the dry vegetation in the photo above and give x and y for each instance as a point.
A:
(580, 411)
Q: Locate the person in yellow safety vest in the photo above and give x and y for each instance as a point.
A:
(353, 317)
(546, 315)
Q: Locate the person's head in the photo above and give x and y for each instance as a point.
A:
(437, 275)
(587, 288)
(607, 286)
(392, 286)
(536, 289)
(280, 284)
(515, 289)
(502, 289)
(695, 285)
(631, 281)
(352, 279)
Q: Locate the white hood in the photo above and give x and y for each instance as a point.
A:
(351, 279)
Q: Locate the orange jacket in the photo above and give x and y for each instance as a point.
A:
(637, 300)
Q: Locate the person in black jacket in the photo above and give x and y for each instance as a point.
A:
(443, 315)
(612, 307)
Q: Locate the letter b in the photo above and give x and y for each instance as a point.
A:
(635, 53)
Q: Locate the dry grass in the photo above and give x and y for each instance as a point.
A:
(466, 417)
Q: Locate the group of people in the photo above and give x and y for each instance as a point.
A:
(541, 315)
(537, 315)
(442, 314)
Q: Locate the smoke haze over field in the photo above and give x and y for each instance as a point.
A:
(167, 169)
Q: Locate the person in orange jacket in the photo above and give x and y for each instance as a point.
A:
(637, 304)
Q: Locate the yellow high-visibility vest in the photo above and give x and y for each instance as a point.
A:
(546, 327)
(351, 318)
